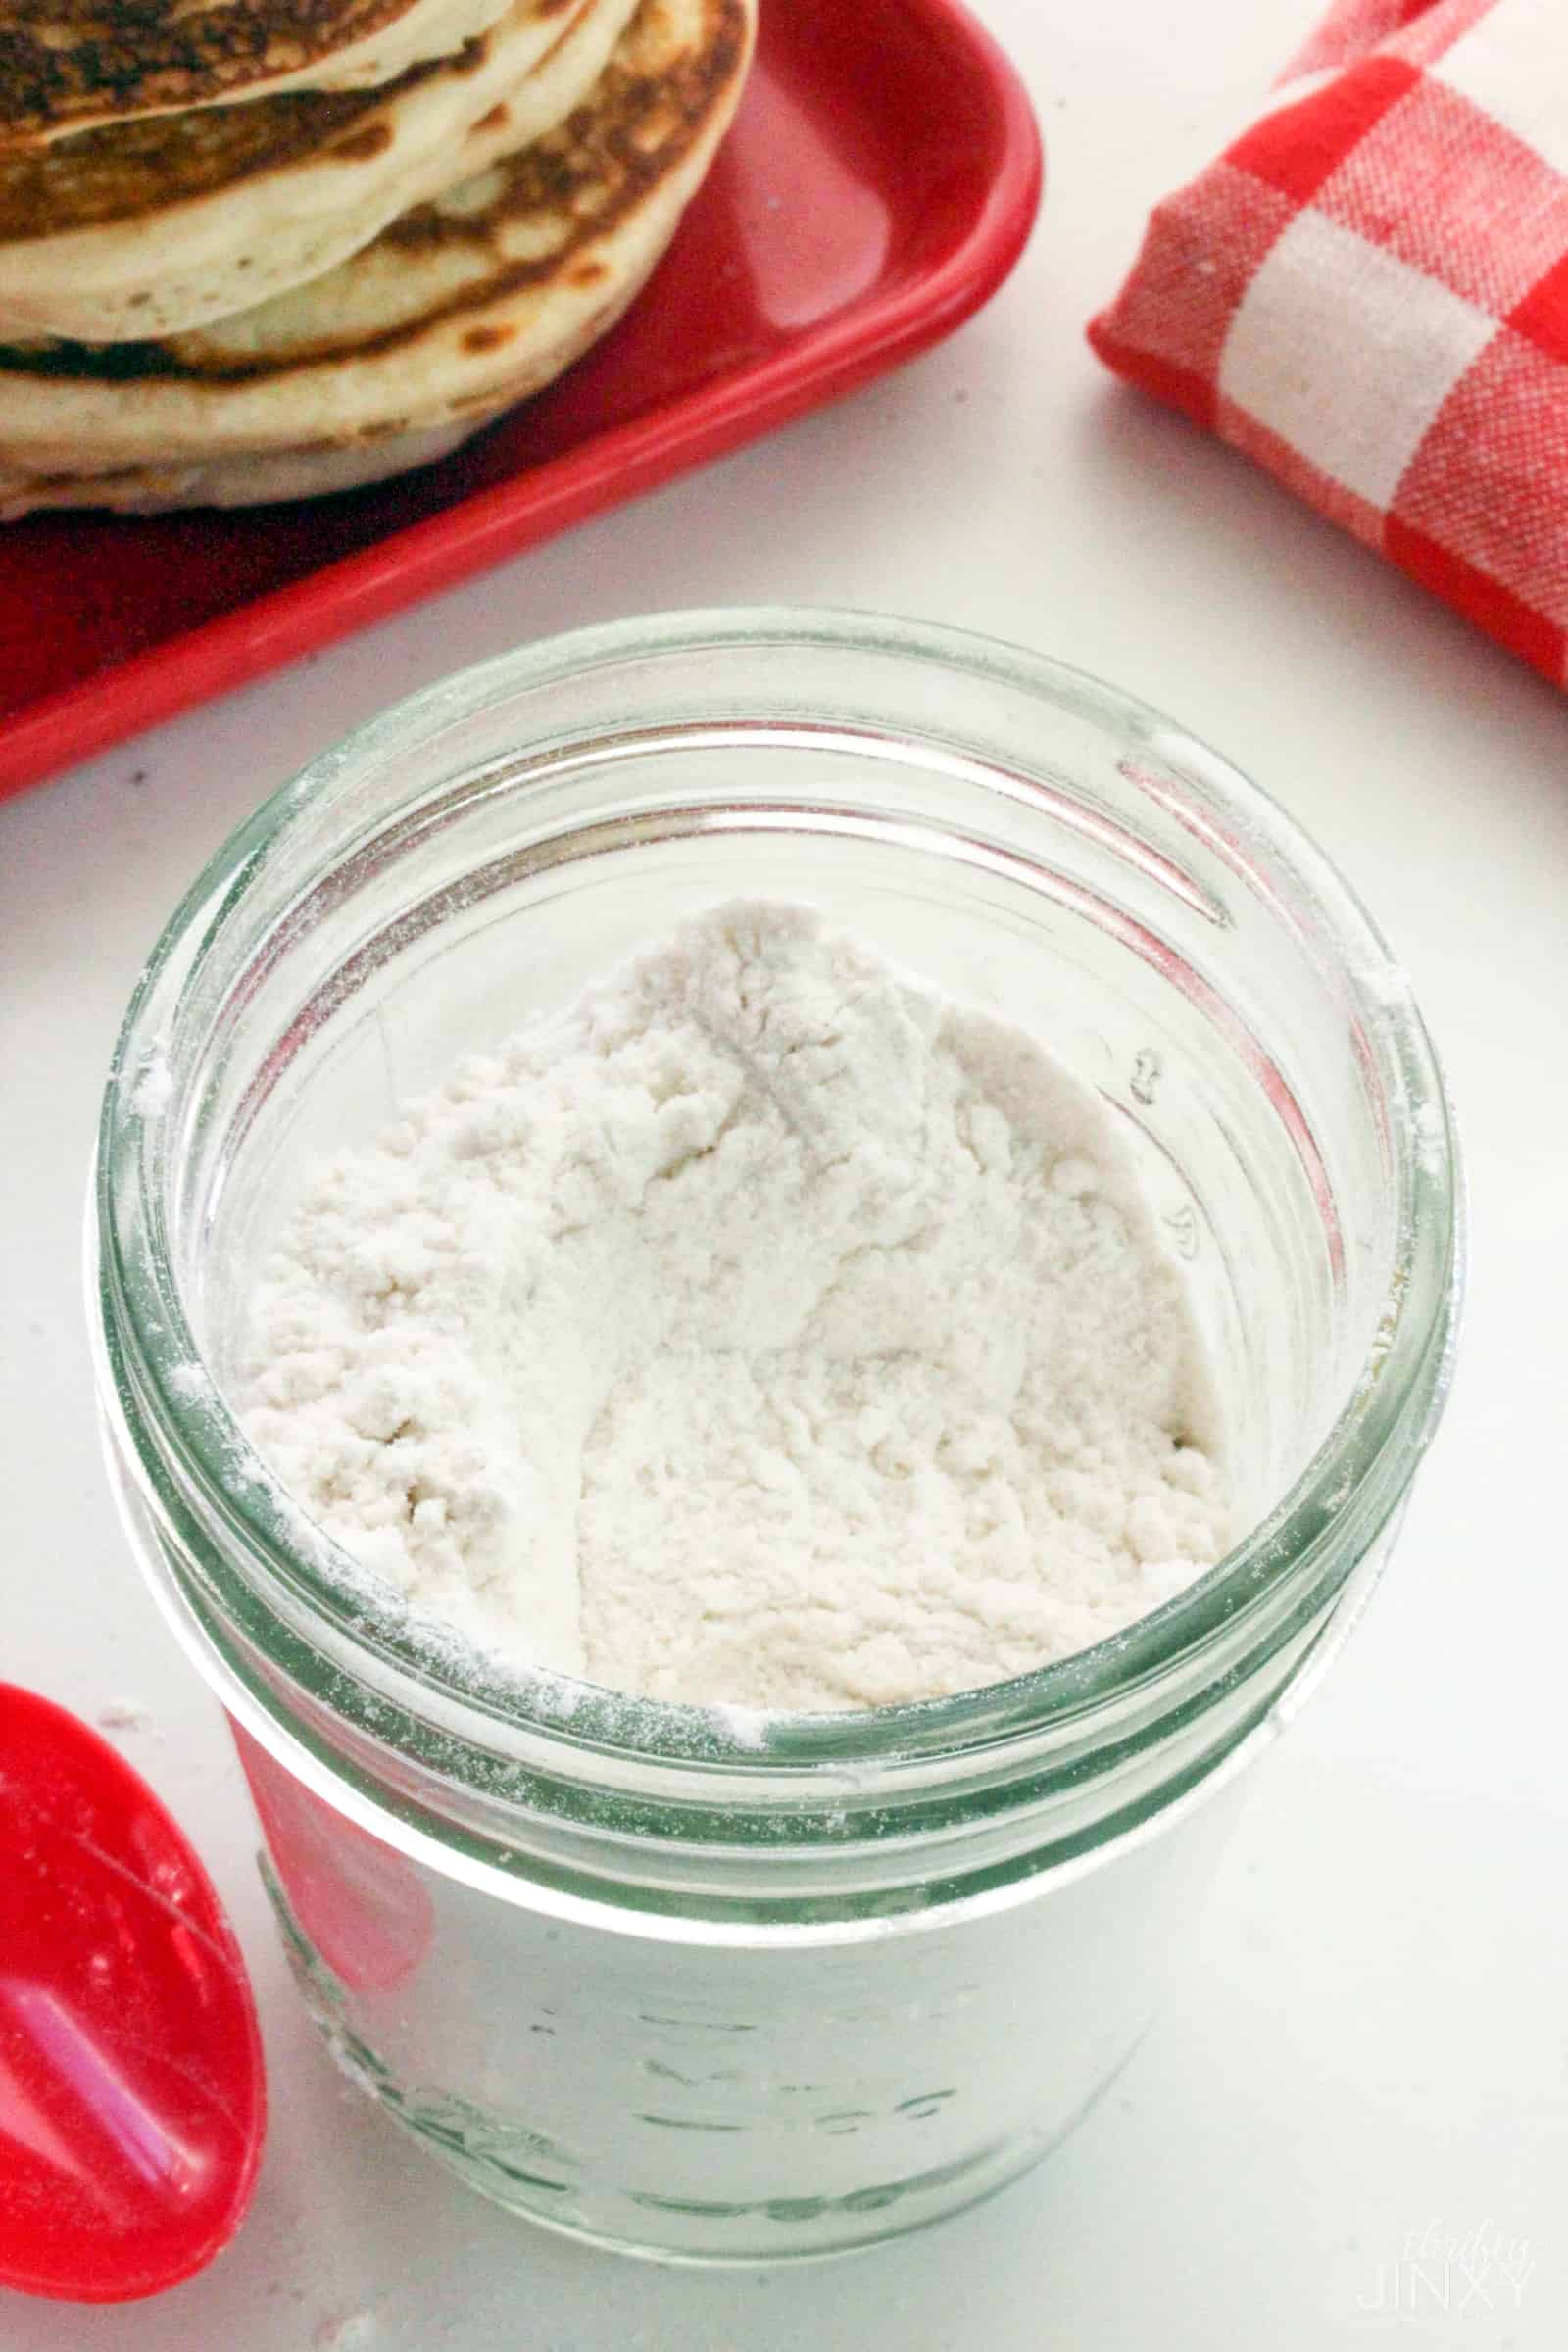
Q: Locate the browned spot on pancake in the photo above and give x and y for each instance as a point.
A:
(588, 273)
(487, 338)
(471, 57)
(656, 128)
(586, 177)
(496, 118)
(362, 145)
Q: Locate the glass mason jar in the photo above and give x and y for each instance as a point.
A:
(690, 1980)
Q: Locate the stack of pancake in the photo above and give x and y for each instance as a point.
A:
(256, 248)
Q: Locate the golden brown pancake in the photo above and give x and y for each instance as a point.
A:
(67, 63)
(460, 307)
(150, 226)
(122, 171)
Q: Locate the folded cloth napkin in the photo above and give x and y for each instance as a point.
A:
(1368, 293)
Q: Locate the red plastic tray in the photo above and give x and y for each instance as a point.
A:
(878, 185)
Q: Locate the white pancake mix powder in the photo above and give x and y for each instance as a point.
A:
(760, 1327)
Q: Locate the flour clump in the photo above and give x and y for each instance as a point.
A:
(759, 1328)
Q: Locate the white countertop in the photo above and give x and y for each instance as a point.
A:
(1370, 2044)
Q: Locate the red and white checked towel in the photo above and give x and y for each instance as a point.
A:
(1368, 293)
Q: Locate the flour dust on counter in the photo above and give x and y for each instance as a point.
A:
(762, 1328)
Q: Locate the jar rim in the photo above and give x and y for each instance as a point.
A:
(1390, 1412)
